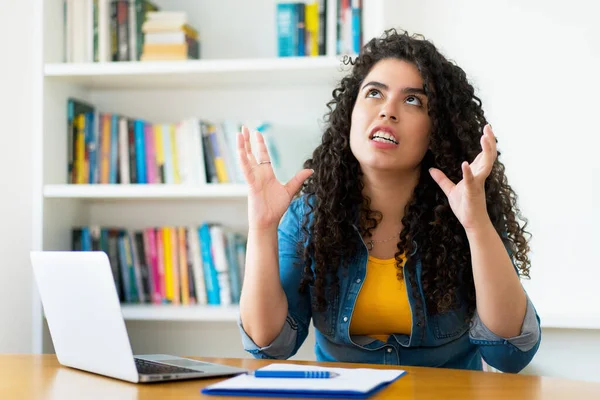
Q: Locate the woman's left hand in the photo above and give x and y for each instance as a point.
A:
(467, 197)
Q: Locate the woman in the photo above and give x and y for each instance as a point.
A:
(403, 245)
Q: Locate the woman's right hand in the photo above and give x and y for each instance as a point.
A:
(268, 199)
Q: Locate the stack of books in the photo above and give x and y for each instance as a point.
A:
(168, 36)
(112, 148)
(301, 27)
(170, 264)
(104, 30)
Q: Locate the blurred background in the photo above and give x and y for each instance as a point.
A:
(119, 118)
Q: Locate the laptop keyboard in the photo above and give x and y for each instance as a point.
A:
(152, 368)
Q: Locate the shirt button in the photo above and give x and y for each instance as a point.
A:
(389, 350)
(418, 323)
(358, 280)
(345, 319)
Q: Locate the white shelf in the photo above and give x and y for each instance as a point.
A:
(558, 321)
(142, 191)
(199, 73)
(151, 312)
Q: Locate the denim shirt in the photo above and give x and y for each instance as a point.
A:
(443, 340)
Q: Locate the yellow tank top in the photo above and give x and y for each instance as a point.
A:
(382, 306)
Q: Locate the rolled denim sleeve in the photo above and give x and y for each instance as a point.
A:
(508, 354)
(530, 331)
(295, 329)
(281, 348)
(514, 353)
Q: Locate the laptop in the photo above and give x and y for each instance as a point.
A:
(82, 308)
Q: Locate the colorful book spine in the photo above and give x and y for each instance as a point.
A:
(112, 239)
(91, 140)
(160, 256)
(286, 18)
(129, 128)
(124, 268)
(322, 29)
(105, 126)
(75, 108)
(123, 30)
(131, 273)
(220, 263)
(80, 164)
(175, 266)
(210, 273)
(150, 154)
(150, 255)
(199, 282)
(114, 148)
(145, 268)
(151, 234)
(168, 254)
(209, 157)
(124, 153)
(140, 150)
(183, 266)
(160, 154)
(300, 29)
(312, 29)
(231, 240)
(137, 267)
(356, 26)
(219, 160)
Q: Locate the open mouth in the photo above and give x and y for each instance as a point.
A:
(383, 137)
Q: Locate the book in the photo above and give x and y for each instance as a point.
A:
(75, 108)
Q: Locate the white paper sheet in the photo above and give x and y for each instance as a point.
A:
(360, 380)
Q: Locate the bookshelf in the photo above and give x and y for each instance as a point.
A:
(197, 73)
(194, 313)
(238, 77)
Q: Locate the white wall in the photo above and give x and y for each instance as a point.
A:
(16, 35)
(567, 353)
(535, 64)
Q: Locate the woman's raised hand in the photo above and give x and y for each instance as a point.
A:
(467, 197)
(268, 199)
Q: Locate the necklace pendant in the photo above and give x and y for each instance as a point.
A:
(370, 245)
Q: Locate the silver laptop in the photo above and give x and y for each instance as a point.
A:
(82, 308)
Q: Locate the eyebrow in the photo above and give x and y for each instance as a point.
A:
(407, 90)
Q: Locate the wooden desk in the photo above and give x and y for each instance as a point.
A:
(42, 377)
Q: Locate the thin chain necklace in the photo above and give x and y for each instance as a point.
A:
(371, 243)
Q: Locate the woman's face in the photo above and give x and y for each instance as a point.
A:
(390, 124)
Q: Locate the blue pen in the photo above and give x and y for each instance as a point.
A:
(294, 374)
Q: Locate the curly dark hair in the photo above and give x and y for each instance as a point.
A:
(334, 195)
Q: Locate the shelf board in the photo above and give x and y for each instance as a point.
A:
(142, 191)
(199, 73)
(169, 312)
(551, 321)
(150, 312)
